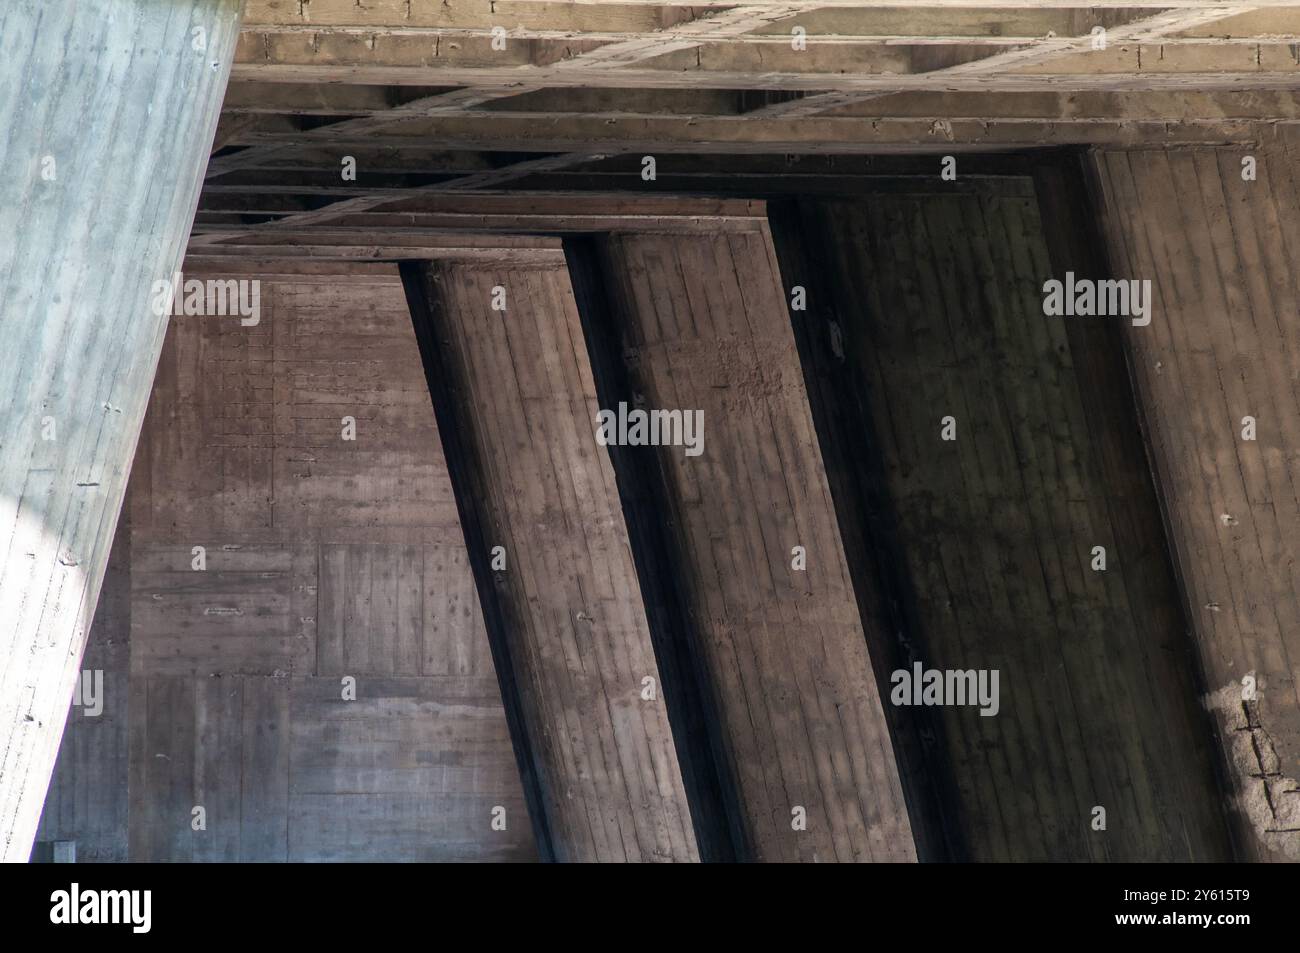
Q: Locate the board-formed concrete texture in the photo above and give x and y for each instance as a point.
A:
(1216, 370)
(323, 560)
(547, 539)
(557, 431)
(98, 227)
(1005, 518)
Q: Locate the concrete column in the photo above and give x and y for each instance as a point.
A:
(539, 504)
(105, 127)
(989, 457)
(1216, 233)
(749, 542)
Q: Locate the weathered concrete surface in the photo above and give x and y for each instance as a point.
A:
(1221, 247)
(105, 127)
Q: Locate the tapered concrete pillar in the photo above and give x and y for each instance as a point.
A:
(1216, 233)
(991, 456)
(105, 126)
(743, 532)
(516, 404)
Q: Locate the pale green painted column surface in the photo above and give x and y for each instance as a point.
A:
(107, 114)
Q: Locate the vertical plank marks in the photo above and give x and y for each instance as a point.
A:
(784, 660)
(571, 633)
(87, 801)
(325, 558)
(264, 789)
(1220, 251)
(936, 308)
(95, 87)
